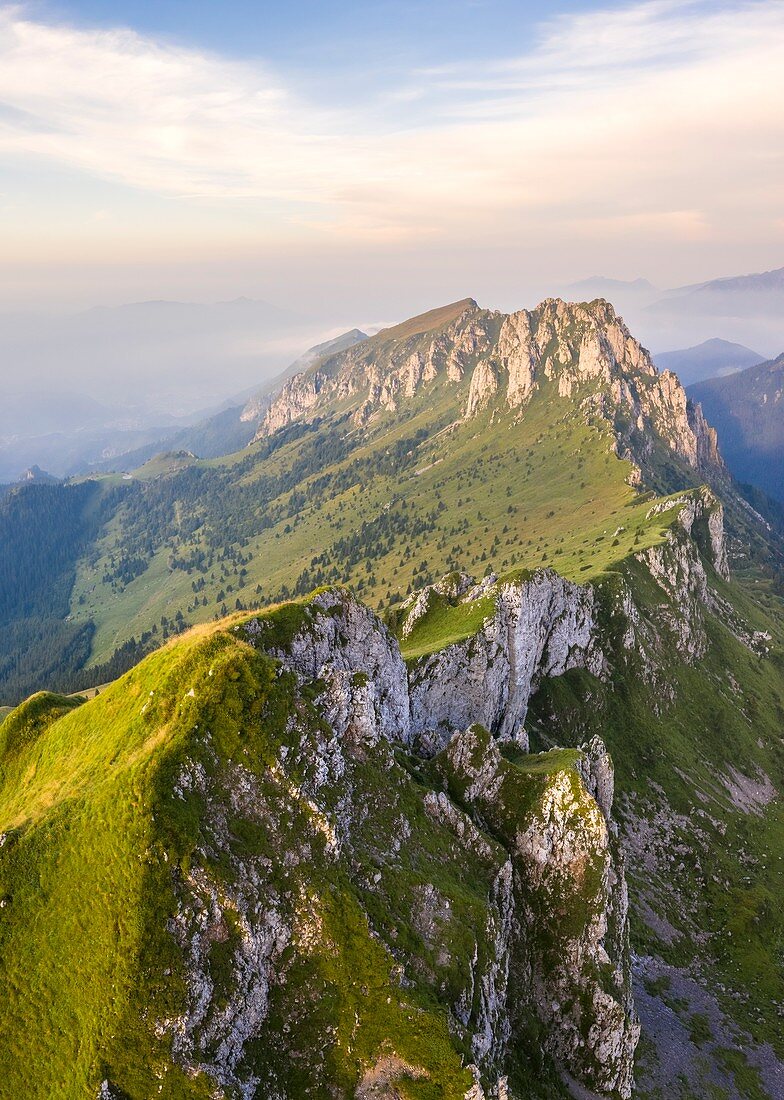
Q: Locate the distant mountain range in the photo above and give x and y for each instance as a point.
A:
(747, 410)
(709, 359)
(741, 294)
(84, 387)
(746, 309)
(159, 357)
(762, 292)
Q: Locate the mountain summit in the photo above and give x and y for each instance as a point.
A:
(707, 360)
(582, 350)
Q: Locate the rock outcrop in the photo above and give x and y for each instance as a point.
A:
(563, 861)
(588, 352)
(552, 942)
(677, 566)
(345, 646)
(541, 626)
(584, 350)
(256, 406)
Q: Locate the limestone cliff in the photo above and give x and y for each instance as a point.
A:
(566, 864)
(564, 961)
(540, 625)
(256, 406)
(583, 350)
(588, 351)
(346, 917)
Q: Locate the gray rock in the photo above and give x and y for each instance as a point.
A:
(541, 627)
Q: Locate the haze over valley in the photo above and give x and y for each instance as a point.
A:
(148, 371)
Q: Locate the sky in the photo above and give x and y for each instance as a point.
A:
(360, 161)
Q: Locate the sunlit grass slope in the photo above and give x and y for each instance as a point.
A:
(100, 840)
(87, 818)
(448, 620)
(424, 493)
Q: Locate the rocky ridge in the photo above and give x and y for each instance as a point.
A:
(256, 406)
(541, 625)
(559, 853)
(562, 843)
(494, 885)
(584, 350)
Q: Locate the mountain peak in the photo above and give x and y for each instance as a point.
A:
(487, 360)
(746, 407)
(706, 360)
(429, 321)
(35, 473)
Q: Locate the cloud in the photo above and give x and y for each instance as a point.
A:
(152, 116)
(660, 118)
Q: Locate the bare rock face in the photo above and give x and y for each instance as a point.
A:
(256, 406)
(678, 568)
(540, 627)
(519, 352)
(345, 645)
(574, 344)
(588, 351)
(702, 518)
(554, 829)
(596, 769)
(224, 1033)
(299, 396)
(244, 911)
(544, 625)
(583, 349)
(384, 371)
(484, 385)
(546, 935)
(563, 860)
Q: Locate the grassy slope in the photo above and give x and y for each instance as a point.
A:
(711, 870)
(95, 839)
(168, 462)
(541, 489)
(82, 866)
(448, 620)
(445, 623)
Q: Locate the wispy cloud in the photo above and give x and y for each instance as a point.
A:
(661, 117)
